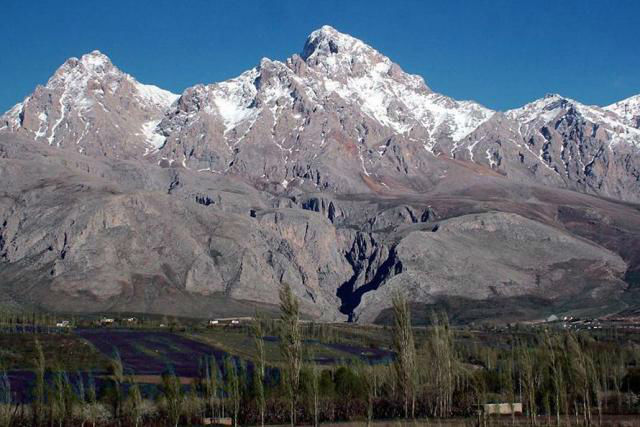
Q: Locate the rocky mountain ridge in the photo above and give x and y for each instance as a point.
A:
(334, 171)
(326, 118)
(92, 107)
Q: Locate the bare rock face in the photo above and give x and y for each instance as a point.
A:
(334, 171)
(341, 117)
(91, 107)
(482, 256)
(560, 142)
(102, 245)
(627, 109)
(84, 234)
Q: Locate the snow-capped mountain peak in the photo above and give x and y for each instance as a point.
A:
(340, 55)
(327, 41)
(88, 104)
(234, 99)
(94, 73)
(334, 67)
(541, 110)
(553, 107)
(339, 108)
(96, 61)
(401, 101)
(628, 109)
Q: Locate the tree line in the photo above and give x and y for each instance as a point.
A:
(560, 377)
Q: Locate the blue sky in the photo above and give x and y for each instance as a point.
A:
(500, 53)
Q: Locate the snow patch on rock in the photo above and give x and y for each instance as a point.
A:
(153, 94)
(546, 110)
(234, 99)
(154, 139)
(361, 75)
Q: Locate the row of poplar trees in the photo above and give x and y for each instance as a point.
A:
(559, 377)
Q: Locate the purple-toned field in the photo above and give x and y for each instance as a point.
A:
(151, 352)
(21, 383)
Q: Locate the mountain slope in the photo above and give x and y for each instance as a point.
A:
(84, 234)
(92, 107)
(334, 171)
(339, 117)
(323, 120)
(628, 109)
(560, 142)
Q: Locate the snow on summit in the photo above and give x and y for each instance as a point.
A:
(628, 109)
(90, 102)
(359, 73)
(87, 105)
(338, 63)
(617, 119)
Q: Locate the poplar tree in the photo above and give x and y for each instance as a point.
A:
(6, 410)
(290, 345)
(134, 404)
(117, 374)
(38, 391)
(404, 347)
(260, 367)
(172, 391)
(443, 366)
(232, 383)
(211, 383)
(556, 374)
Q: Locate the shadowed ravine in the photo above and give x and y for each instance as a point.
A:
(351, 297)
